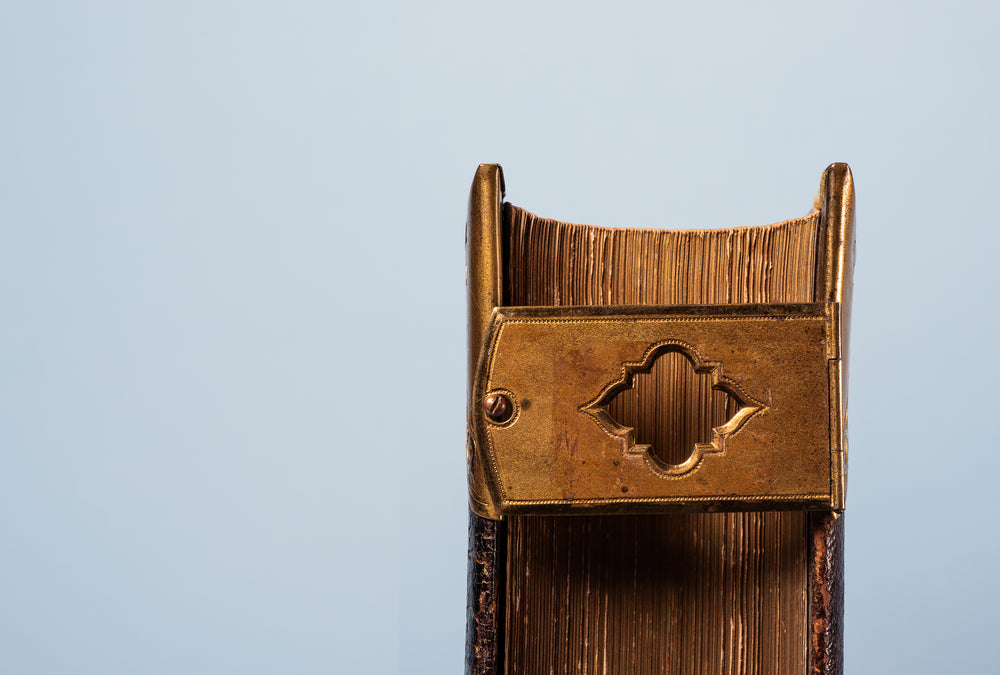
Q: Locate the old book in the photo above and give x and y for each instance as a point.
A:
(751, 589)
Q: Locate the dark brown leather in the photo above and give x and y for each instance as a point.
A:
(826, 595)
(487, 539)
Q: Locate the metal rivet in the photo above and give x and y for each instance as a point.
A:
(498, 408)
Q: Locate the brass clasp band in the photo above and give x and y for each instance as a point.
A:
(539, 419)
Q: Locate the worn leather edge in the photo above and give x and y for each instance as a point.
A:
(487, 537)
(834, 283)
(826, 594)
(484, 619)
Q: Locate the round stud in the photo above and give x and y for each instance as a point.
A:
(498, 408)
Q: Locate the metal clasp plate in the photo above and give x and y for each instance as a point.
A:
(550, 446)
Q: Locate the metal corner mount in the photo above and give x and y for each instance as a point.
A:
(541, 440)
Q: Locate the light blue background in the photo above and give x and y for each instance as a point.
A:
(231, 284)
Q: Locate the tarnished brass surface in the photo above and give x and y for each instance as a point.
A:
(482, 271)
(560, 451)
(676, 592)
(835, 283)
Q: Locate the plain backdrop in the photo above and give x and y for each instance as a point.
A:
(232, 294)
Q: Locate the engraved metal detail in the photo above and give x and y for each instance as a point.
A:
(598, 408)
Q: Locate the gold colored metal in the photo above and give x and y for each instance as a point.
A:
(541, 440)
(562, 452)
(835, 283)
(482, 239)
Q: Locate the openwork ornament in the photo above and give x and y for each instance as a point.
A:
(598, 408)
